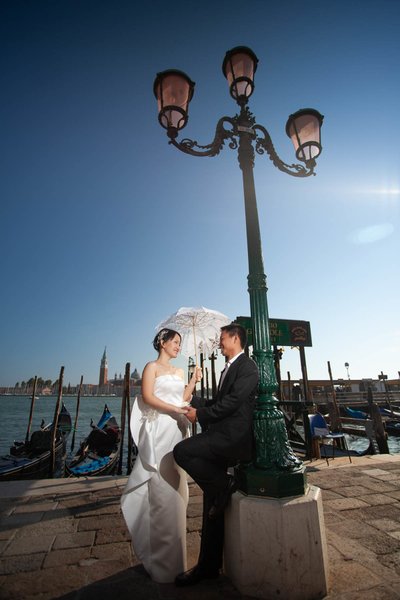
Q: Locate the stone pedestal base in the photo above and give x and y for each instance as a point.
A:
(276, 548)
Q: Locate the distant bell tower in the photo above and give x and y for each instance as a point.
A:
(103, 377)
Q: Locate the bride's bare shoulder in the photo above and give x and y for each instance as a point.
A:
(150, 367)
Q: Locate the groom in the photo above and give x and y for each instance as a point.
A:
(226, 437)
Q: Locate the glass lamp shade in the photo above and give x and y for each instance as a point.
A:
(173, 90)
(304, 129)
(239, 67)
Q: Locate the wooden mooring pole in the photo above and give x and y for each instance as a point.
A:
(213, 358)
(333, 408)
(202, 371)
(76, 414)
(130, 441)
(207, 385)
(379, 430)
(31, 411)
(306, 387)
(123, 413)
(54, 425)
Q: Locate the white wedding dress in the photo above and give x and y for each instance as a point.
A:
(155, 498)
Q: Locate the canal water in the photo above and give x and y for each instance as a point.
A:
(14, 415)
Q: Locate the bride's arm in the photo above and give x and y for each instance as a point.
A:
(189, 389)
(148, 381)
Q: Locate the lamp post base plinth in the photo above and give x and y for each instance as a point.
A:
(276, 548)
(273, 483)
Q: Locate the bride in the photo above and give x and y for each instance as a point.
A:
(155, 498)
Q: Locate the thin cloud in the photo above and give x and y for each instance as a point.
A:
(372, 234)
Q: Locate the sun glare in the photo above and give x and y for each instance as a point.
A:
(387, 191)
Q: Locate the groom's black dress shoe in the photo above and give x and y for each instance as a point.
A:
(198, 573)
(223, 498)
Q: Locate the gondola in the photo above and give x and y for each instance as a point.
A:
(392, 426)
(386, 412)
(31, 460)
(99, 452)
(355, 413)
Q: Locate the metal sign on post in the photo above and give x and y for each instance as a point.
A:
(283, 332)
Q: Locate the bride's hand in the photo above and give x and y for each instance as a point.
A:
(180, 410)
(197, 375)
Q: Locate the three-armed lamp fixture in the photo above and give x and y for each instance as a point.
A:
(275, 470)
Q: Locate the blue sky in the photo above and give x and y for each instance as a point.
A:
(106, 229)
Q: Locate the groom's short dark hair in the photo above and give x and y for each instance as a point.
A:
(236, 329)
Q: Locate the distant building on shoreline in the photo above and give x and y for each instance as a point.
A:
(105, 387)
(103, 376)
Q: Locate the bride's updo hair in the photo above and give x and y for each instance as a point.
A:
(164, 335)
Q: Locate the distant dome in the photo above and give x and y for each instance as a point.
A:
(135, 374)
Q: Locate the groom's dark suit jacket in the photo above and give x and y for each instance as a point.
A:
(228, 418)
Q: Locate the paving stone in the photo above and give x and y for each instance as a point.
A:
(383, 511)
(73, 540)
(385, 524)
(65, 525)
(355, 552)
(112, 535)
(395, 494)
(381, 543)
(105, 493)
(101, 569)
(333, 553)
(70, 556)
(7, 503)
(329, 483)
(390, 560)
(35, 507)
(102, 509)
(385, 477)
(353, 491)
(55, 581)
(16, 521)
(7, 534)
(375, 499)
(194, 510)
(117, 551)
(374, 472)
(385, 592)
(193, 547)
(194, 524)
(59, 513)
(26, 545)
(350, 576)
(95, 523)
(353, 529)
(18, 564)
(7, 510)
(331, 517)
(375, 485)
(346, 503)
(75, 500)
(330, 495)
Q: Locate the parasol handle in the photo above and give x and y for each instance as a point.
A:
(195, 344)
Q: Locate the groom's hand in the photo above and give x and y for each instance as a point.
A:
(191, 414)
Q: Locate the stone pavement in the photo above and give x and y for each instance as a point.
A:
(66, 538)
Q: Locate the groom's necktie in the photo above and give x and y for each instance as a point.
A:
(223, 375)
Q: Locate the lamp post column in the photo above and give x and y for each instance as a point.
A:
(275, 471)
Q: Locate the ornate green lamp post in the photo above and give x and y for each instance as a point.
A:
(275, 471)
